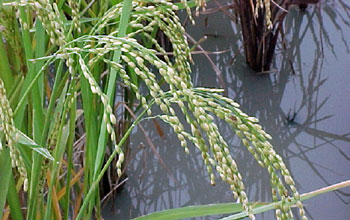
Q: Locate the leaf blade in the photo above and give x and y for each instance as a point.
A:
(197, 211)
(26, 141)
(5, 174)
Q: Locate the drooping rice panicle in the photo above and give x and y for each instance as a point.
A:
(8, 126)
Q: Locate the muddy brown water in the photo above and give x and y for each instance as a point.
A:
(304, 105)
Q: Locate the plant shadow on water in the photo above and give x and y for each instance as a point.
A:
(303, 106)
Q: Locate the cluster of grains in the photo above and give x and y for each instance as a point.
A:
(108, 116)
(110, 16)
(74, 5)
(169, 23)
(260, 4)
(203, 122)
(126, 79)
(256, 141)
(169, 4)
(7, 124)
(7, 25)
(198, 4)
(160, 14)
(49, 15)
(139, 59)
(24, 23)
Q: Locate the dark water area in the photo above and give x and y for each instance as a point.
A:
(304, 104)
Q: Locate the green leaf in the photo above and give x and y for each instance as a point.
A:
(5, 174)
(25, 140)
(225, 208)
(303, 197)
(196, 211)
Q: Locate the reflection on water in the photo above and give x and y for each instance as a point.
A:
(304, 106)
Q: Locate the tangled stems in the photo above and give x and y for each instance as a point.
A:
(109, 161)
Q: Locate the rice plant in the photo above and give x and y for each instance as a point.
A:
(262, 23)
(65, 66)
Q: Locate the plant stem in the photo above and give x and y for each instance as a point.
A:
(95, 184)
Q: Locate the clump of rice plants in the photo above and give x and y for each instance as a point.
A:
(61, 63)
(261, 22)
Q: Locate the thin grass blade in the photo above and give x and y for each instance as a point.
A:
(5, 175)
(197, 211)
(25, 140)
(303, 197)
